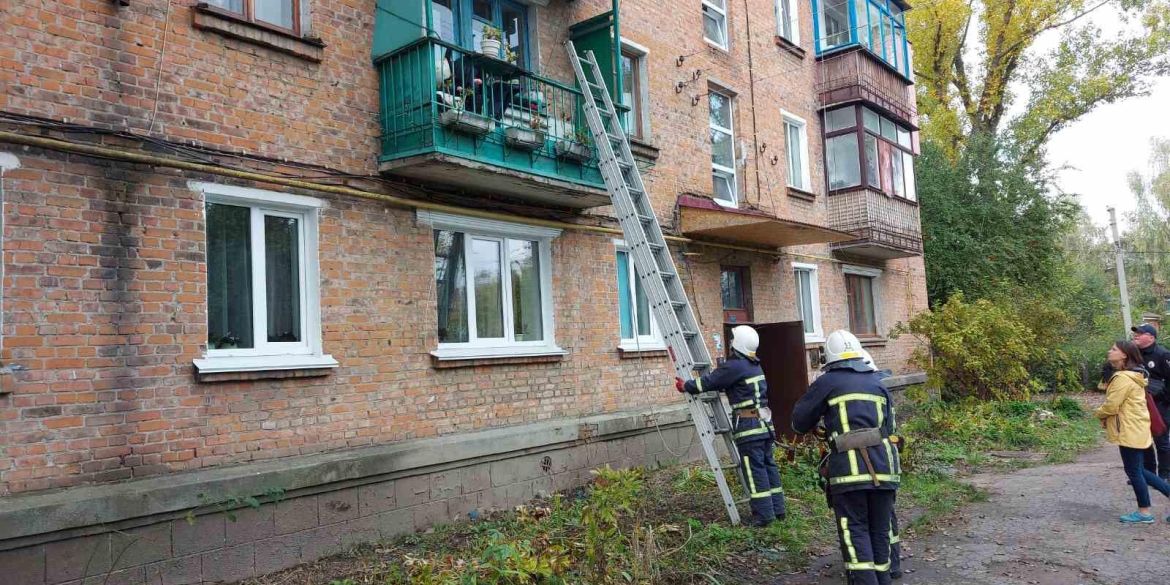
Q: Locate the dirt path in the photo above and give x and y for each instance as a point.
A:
(1049, 525)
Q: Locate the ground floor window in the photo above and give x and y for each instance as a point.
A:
(638, 327)
(861, 291)
(808, 301)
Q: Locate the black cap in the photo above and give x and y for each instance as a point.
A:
(1145, 328)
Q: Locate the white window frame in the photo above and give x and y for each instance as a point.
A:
(486, 229)
(876, 275)
(268, 356)
(793, 17)
(728, 172)
(818, 334)
(641, 54)
(720, 16)
(652, 342)
(791, 119)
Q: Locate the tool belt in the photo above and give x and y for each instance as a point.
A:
(861, 440)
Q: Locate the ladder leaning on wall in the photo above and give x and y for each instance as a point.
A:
(655, 266)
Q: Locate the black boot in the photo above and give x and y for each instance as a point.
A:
(758, 522)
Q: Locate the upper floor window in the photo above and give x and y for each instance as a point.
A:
(879, 26)
(715, 22)
(884, 146)
(787, 21)
(796, 145)
(634, 90)
(722, 147)
(283, 14)
(463, 22)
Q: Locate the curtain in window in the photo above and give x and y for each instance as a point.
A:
(859, 290)
(282, 275)
(524, 264)
(489, 288)
(451, 287)
(873, 173)
(229, 277)
(625, 308)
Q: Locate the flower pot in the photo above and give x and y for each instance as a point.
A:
(465, 122)
(574, 151)
(525, 138)
(490, 47)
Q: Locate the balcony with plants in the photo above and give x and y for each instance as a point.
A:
(460, 106)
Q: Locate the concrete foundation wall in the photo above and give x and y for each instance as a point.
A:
(335, 502)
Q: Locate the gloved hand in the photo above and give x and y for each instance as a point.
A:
(678, 384)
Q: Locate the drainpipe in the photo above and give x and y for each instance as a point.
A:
(7, 162)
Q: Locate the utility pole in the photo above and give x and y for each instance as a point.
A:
(1120, 271)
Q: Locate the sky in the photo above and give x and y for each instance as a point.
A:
(1101, 148)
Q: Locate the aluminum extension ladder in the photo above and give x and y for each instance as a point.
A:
(655, 267)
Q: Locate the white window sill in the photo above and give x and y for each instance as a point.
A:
(727, 204)
(268, 363)
(473, 353)
(713, 44)
(632, 347)
(814, 338)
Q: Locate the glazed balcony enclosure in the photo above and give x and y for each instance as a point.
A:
(462, 108)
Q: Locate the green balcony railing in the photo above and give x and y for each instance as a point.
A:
(439, 97)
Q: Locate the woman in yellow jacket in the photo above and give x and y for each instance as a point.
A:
(1127, 424)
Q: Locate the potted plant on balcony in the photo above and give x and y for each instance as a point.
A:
(578, 149)
(458, 119)
(490, 43)
(531, 138)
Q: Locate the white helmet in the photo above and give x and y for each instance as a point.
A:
(842, 345)
(745, 340)
(868, 359)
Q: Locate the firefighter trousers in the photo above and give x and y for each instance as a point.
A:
(895, 543)
(759, 465)
(863, 525)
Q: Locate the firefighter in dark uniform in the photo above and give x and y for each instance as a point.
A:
(743, 381)
(895, 534)
(863, 468)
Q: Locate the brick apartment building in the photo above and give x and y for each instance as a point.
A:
(329, 249)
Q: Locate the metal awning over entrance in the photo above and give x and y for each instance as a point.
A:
(703, 219)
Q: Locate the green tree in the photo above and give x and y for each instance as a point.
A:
(966, 90)
(1147, 236)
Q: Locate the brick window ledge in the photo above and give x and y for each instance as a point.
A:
(466, 358)
(223, 369)
(873, 341)
(628, 351)
(220, 21)
(801, 194)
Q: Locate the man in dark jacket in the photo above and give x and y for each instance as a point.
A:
(743, 381)
(1157, 362)
(864, 471)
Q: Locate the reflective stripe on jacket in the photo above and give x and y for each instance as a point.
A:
(743, 382)
(849, 398)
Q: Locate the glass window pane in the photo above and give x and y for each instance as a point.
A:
(804, 298)
(229, 277)
(873, 174)
(515, 33)
(897, 177)
(785, 16)
(524, 263)
(643, 306)
(889, 130)
(834, 23)
(278, 12)
(445, 19)
(720, 110)
(282, 275)
(233, 5)
(859, 290)
(840, 119)
(713, 26)
(863, 24)
(451, 287)
(888, 41)
(732, 284)
(724, 189)
(795, 153)
(908, 170)
(625, 303)
(871, 120)
(903, 137)
(844, 161)
(631, 94)
(722, 149)
(721, 4)
(897, 59)
(489, 292)
(482, 9)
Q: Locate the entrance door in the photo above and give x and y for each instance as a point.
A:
(737, 306)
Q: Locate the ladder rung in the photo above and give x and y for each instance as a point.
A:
(689, 334)
(667, 275)
(678, 304)
(644, 218)
(656, 246)
(700, 365)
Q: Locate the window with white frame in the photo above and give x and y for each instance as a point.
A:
(493, 287)
(808, 299)
(263, 302)
(722, 147)
(862, 295)
(715, 22)
(787, 21)
(796, 145)
(639, 330)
